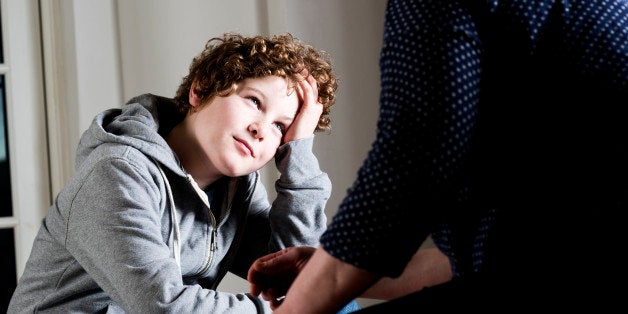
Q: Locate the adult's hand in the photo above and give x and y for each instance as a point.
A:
(272, 274)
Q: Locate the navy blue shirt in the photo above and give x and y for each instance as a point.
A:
(501, 133)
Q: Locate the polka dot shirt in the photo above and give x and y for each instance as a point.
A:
(467, 91)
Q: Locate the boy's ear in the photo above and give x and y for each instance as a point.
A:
(193, 97)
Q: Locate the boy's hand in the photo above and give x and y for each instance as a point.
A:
(272, 274)
(309, 112)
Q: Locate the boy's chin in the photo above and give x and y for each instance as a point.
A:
(243, 168)
(241, 172)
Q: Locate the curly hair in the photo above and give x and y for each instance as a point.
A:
(229, 59)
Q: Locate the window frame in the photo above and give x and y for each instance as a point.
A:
(26, 123)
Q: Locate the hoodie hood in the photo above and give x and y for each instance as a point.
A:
(141, 123)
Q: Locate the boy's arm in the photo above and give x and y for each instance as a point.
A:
(297, 216)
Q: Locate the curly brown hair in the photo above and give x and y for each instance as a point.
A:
(229, 59)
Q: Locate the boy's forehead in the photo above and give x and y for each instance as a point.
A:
(268, 83)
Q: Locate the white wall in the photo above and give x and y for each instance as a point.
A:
(351, 31)
(120, 49)
(158, 40)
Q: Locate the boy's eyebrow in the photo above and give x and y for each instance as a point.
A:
(253, 89)
(259, 93)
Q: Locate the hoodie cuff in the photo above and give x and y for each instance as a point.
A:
(296, 161)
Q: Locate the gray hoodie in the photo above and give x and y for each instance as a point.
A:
(111, 241)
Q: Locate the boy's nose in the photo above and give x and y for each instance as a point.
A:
(257, 129)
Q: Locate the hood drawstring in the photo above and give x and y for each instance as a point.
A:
(175, 234)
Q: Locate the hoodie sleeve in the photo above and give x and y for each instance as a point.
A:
(114, 232)
(297, 215)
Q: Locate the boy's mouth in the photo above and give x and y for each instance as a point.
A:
(246, 145)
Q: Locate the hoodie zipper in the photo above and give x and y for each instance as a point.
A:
(235, 244)
(212, 220)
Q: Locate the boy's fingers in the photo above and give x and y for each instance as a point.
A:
(255, 290)
(268, 265)
(313, 85)
(267, 261)
(274, 263)
(310, 88)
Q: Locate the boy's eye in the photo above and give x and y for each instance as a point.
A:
(254, 100)
(281, 127)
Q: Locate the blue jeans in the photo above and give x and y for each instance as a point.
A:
(350, 307)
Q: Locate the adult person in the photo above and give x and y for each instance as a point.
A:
(167, 197)
(502, 133)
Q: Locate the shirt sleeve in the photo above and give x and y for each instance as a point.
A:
(430, 68)
(527, 61)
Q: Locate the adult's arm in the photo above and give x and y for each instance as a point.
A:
(273, 274)
(336, 283)
(330, 281)
(428, 267)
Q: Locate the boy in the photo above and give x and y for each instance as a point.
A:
(166, 198)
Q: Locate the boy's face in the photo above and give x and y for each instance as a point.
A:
(241, 132)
